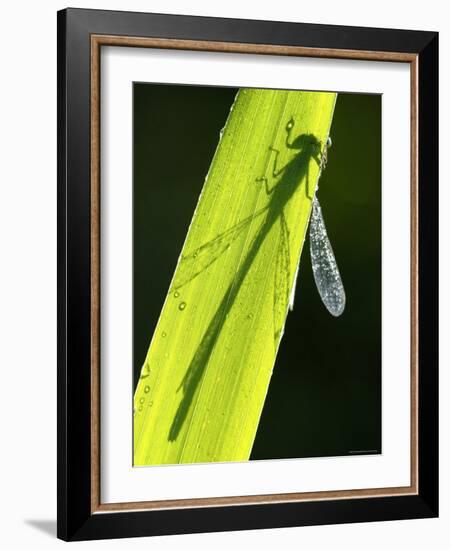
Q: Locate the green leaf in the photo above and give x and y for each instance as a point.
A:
(204, 381)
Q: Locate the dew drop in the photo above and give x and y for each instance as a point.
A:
(141, 400)
(182, 306)
(140, 408)
(150, 403)
(163, 334)
(147, 389)
(176, 294)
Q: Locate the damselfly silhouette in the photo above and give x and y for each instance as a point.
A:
(326, 273)
(288, 178)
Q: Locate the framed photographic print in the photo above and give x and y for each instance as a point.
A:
(247, 252)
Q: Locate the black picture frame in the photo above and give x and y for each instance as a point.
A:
(77, 518)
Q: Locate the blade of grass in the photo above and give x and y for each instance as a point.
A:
(204, 381)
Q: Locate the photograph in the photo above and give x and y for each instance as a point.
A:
(221, 260)
(256, 274)
(247, 273)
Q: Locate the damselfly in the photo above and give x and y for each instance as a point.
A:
(191, 265)
(325, 270)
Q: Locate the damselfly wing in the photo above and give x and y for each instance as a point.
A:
(282, 279)
(194, 263)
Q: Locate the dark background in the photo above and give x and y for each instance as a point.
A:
(326, 401)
